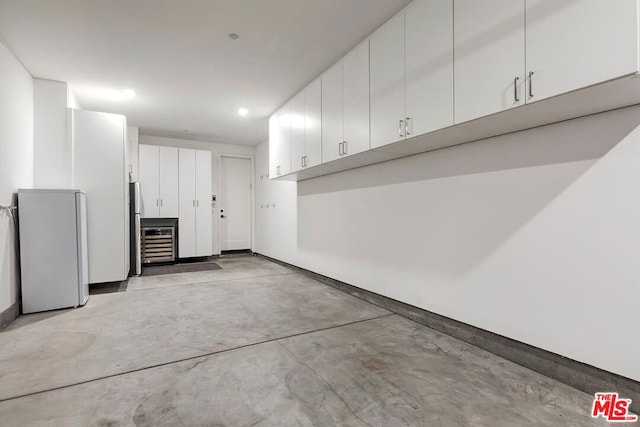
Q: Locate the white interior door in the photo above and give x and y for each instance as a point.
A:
(204, 245)
(149, 180)
(235, 203)
(168, 182)
(187, 205)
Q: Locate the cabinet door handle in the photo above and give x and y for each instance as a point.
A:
(193, 202)
(531, 84)
(197, 203)
(515, 89)
(157, 203)
(302, 161)
(406, 126)
(161, 202)
(400, 128)
(344, 148)
(340, 149)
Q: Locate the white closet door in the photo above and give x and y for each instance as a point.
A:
(187, 208)
(489, 57)
(149, 180)
(332, 114)
(387, 82)
(313, 123)
(355, 98)
(429, 65)
(573, 44)
(204, 245)
(169, 182)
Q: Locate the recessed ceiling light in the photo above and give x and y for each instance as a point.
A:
(234, 36)
(186, 131)
(243, 111)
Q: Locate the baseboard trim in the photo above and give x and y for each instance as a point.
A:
(9, 315)
(576, 374)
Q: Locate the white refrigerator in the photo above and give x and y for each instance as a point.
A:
(53, 249)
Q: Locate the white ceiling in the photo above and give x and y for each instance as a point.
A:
(177, 56)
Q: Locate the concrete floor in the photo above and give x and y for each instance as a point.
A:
(257, 344)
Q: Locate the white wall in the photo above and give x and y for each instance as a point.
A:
(16, 161)
(217, 149)
(533, 235)
(51, 142)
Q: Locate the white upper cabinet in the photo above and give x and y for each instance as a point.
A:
(355, 100)
(429, 66)
(168, 191)
(274, 144)
(158, 181)
(297, 132)
(388, 82)
(313, 124)
(284, 151)
(489, 56)
(149, 175)
(573, 44)
(332, 114)
(280, 142)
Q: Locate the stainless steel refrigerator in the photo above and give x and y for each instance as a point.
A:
(136, 238)
(54, 257)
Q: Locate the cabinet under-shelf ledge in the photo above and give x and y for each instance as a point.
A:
(611, 95)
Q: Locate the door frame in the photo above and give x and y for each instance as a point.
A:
(252, 181)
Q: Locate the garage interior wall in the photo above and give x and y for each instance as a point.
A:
(16, 162)
(533, 235)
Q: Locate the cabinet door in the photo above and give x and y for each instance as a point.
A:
(297, 132)
(489, 57)
(204, 245)
(284, 141)
(168, 182)
(187, 207)
(313, 123)
(274, 144)
(429, 65)
(355, 100)
(149, 180)
(332, 115)
(387, 82)
(573, 44)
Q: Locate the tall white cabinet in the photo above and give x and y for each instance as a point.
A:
(158, 175)
(99, 158)
(195, 211)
